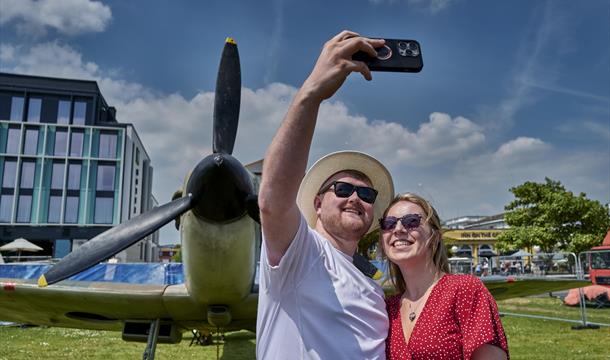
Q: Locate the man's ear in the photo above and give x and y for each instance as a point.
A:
(317, 203)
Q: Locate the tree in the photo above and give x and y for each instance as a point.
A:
(177, 254)
(367, 242)
(547, 215)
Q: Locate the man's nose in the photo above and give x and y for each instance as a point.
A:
(354, 197)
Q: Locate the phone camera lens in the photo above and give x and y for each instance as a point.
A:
(408, 48)
(384, 53)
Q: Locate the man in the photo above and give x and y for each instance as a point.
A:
(313, 302)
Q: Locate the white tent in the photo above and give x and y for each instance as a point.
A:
(521, 253)
(20, 245)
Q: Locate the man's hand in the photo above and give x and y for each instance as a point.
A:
(335, 64)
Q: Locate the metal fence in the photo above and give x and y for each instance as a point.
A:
(550, 265)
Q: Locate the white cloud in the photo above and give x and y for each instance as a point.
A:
(69, 17)
(438, 140)
(520, 148)
(59, 60)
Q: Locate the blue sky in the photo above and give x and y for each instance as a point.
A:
(510, 91)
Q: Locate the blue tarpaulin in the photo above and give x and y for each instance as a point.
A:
(141, 273)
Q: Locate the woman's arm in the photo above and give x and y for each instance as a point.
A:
(487, 351)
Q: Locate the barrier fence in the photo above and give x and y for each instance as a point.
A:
(587, 265)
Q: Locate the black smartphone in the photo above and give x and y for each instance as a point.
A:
(395, 55)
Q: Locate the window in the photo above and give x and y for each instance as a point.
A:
(6, 204)
(9, 173)
(34, 110)
(16, 109)
(63, 112)
(54, 209)
(71, 215)
(27, 174)
(103, 210)
(107, 146)
(80, 111)
(137, 156)
(57, 180)
(76, 145)
(61, 142)
(105, 178)
(74, 176)
(31, 142)
(24, 208)
(12, 142)
(61, 248)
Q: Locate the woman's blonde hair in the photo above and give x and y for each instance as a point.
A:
(437, 247)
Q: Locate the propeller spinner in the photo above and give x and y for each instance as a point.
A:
(202, 182)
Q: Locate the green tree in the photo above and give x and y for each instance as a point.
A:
(177, 254)
(547, 215)
(367, 242)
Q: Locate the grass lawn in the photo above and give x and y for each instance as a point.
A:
(527, 338)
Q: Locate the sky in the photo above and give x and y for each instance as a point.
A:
(510, 91)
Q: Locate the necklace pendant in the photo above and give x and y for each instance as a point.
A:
(412, 316)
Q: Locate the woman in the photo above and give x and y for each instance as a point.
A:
(435, 315)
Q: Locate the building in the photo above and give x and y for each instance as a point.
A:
(167, 252)
(474, 236)
(69, 169)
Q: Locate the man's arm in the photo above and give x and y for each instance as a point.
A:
(286, 158)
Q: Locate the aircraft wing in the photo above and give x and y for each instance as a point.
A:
(78, 304)
(142, 294)
(507, 287)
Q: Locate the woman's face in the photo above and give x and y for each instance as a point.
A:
(402, 244)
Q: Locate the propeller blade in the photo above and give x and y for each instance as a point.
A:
(227, 99)
(114, 240)
(252, 207)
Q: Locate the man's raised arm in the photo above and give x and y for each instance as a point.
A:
(286, 159)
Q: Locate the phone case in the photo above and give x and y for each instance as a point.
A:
(397, 55)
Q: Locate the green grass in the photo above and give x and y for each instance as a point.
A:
(527, 339)
(57, 343)
(548, 339)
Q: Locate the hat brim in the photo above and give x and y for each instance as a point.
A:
(335, 162)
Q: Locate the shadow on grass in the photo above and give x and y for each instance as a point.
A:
(239, 345)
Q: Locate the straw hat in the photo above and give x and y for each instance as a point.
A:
(343, 161)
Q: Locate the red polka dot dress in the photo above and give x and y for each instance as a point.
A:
(459, 316)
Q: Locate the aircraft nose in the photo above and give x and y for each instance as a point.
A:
(224, 183)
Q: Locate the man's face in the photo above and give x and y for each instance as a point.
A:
(344, 217)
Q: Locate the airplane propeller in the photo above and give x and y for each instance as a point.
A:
(227, 100)
(218, 178)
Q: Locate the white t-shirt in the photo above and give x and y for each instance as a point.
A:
(317, 305)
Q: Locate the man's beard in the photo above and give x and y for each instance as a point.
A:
(337, 225)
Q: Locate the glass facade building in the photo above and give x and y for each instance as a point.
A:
(68, 169)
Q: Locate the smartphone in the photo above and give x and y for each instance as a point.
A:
(395, 55)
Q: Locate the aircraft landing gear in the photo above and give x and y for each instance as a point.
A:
(151, 345)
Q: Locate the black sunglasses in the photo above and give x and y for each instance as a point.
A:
(409, 221)
(344, 190)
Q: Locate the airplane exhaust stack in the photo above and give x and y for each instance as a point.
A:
(219, 315)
